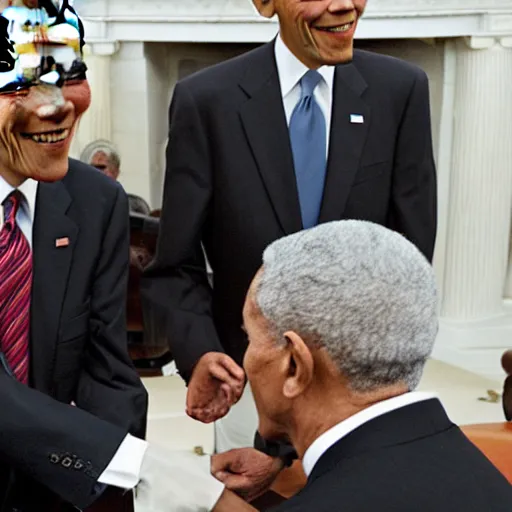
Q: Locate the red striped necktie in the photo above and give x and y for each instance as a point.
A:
(15, 289)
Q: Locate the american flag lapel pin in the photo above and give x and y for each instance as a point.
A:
(356, 119)
(62, 242)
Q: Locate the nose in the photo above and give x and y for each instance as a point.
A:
(341, 5)
(52, 106)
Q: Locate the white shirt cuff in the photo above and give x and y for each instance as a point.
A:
(124, 469)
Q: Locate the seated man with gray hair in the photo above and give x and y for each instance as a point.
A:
(341, 320)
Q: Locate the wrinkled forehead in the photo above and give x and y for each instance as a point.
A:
(41, 43)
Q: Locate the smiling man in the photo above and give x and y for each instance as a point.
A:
(63, 245)
(301, 131)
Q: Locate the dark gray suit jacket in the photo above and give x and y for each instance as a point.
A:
(412, 458)
(230, 184)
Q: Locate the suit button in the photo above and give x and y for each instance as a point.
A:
(66, 462)
(54, 458)
(79, 464)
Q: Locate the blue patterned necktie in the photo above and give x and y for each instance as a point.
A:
(308, 141)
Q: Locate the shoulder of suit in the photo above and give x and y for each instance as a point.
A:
(394, 68)
(85, 181)
(225, 73)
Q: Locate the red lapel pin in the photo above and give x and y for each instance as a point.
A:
(62, 242)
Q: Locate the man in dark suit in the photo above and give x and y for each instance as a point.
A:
(63, 247)
(300, 131)
(341, 320)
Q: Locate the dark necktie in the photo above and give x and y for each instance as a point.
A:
(15, 289)
(308, 141)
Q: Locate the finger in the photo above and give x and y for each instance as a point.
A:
(209, 414)
(229, 394)
(220, 373)
(205, 417)
(236, 483)
(234, 394)
(223, 462)
(230, 365)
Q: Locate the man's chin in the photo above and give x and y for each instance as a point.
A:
(51, 173)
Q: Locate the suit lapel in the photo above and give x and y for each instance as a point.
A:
(264, 122)
(346, 141)
(51, 265)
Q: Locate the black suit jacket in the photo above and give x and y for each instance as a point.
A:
(78, 327)
(413, 458)
(230, 184)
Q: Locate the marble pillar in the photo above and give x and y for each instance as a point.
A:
(479, 210)
(96, 123)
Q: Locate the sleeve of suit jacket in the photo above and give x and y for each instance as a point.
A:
(109, 386)
(413, 208)
(176, 283)
(60, 446)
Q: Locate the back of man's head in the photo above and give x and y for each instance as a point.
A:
(359, 290)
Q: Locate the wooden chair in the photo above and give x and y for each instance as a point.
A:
(147, 342)
(494, 440)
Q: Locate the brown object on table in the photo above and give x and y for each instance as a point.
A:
(494, 440)
(506, 362)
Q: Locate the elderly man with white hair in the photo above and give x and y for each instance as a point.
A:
(341, 320)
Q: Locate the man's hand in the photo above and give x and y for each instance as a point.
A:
(217, 383)
(246, 471)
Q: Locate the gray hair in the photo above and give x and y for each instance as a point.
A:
(112, 155)
(103, 146)
(362, 292)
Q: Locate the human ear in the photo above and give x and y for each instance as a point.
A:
(265, 7)
(300, 366)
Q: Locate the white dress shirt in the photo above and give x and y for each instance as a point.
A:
(290, 71)
(341, 430)
(124, 469)
(25, 215)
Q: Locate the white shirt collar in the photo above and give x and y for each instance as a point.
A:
(341, 430)
(291, 70)
(29, 190)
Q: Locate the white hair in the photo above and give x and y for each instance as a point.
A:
(362, 292)
(103, 146)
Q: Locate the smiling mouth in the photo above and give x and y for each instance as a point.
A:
(48, 137)
(339, 28)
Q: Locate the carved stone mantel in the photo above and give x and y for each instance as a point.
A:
(237, 20)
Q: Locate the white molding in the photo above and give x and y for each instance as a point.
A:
(466, 345)
(102, 48)
(254, 30)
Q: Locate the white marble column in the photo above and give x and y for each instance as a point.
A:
(479, 210)
(96, 123)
